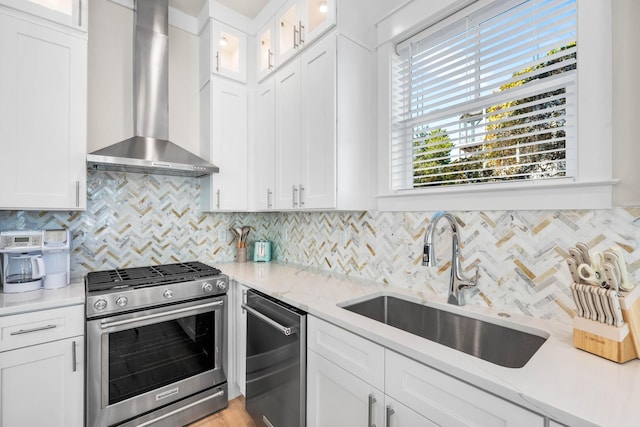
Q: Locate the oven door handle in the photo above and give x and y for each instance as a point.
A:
(285, 330)
(107, 324)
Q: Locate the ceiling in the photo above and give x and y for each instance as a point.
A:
(248, 8)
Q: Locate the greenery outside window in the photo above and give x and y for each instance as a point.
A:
(489, 98)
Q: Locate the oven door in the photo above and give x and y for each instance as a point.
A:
(141, 361)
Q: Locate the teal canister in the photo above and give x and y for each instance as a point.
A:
(262, 251)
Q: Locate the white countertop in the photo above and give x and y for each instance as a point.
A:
(569, 385)
(42, 299)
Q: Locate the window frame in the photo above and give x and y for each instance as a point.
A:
(590, 188)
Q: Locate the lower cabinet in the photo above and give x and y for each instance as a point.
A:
(344, 388)
(43, 385)
(337, 398)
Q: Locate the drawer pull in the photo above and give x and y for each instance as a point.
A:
(28, 331)
(73, 354)
(389, 413)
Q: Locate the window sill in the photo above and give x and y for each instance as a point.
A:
(556, 195)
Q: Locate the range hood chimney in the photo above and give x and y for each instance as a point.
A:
(150, 150)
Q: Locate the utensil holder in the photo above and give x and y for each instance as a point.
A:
(618, 344)
(241, 254)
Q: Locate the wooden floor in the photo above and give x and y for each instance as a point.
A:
(233, 416)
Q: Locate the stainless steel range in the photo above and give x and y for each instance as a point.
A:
(156, 345)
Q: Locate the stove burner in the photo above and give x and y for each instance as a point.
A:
(139, 277)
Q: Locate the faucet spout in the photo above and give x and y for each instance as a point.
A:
(457, 282)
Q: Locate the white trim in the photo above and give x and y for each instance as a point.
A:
(593, 188)
(177, 18)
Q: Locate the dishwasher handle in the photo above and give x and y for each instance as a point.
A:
(285, 330)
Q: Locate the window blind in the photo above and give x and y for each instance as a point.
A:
(489, 98)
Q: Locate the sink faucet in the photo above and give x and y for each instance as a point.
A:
(457, 282)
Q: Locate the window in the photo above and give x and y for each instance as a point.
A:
(489, 98)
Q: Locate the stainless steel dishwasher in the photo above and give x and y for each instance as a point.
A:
(276, 362)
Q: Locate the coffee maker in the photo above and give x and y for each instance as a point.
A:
(32, 260)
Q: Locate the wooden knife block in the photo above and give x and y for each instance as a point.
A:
(618, 344)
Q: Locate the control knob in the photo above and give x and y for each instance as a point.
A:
(207, 287)
(100, 304)
(220, 284)
(168, 294)
(122, 301)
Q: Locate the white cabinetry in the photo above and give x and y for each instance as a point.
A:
(71, 13)
(43, 82)
(337, 398)
(42, 368)
(324, 140)
(299, 22)
(265, 146)
(265, 49)
(344, 369)
(223, 52)
(223, 139)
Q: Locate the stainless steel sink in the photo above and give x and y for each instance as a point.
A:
(488, 341)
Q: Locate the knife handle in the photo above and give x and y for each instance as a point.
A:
(618, 320)
(584, 252)
(576, 299)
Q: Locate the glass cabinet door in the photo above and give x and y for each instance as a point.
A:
(266, 50)
(288, 31)
(320, 15)
(229, 52)
(72, 13)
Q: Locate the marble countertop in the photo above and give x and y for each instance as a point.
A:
(42, 299)
(569, 385)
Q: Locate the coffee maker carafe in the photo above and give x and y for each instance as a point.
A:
(34, 259)
(23, 272)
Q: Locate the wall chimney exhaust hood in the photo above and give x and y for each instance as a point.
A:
(150, 151)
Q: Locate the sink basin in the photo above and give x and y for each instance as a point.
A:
(504, 346)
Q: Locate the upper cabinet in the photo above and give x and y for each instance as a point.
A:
(299, 22)
(266, 49)
(223, 52)
(43, 82)
(71, 13)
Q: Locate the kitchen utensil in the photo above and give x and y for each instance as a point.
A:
(606, 305)
(573, 270)
(589, 276)
(597, 302)
(244, 233)
(584, 252)
(235, 233)
(618, 321)
(612, 273)
(576, 299)
(587, 304)
(577, 256)
(615, 256)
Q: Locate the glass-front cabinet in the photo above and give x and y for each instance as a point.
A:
(299, 22)
(223, 51)
(72, 13)
(266, 49)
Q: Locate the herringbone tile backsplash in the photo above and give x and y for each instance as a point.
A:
(135, 219)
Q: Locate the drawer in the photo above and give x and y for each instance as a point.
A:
(447, 401)
(351, 352)
(25, 329)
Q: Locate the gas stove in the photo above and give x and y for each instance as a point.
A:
(120, 290)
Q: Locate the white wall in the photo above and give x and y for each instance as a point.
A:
(626, 102)
(110, 80)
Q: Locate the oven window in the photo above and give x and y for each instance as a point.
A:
(146, 358)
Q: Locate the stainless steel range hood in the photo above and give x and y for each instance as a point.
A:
(150, 150)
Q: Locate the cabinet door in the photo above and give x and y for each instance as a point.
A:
(287, 136)
(318, 17)
(226, 190)
(447, 401)
(43, 385)
(265, 50)
(398, 415)
(228, 51)
(43, 82)
(72, 13)
(288, 21)
(318, 104)
(265, 145)
(337, 398)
